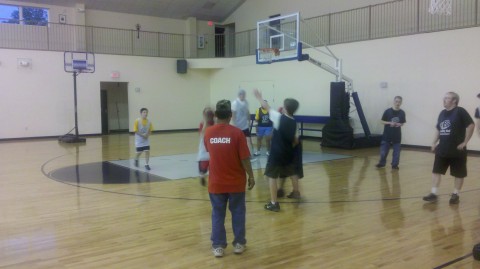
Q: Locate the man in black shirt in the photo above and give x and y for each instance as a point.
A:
(393, 119)
(477, 116)
(454, 129)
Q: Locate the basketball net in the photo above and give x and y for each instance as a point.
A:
(440, 7)
(267, 54)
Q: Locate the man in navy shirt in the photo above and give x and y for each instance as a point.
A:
(454, 129)
(393, 119)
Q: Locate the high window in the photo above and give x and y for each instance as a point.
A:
(23, 15)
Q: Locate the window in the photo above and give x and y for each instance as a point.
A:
(23, 15)
(8, 14)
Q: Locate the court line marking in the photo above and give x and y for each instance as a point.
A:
(453, 261)
(248, 201)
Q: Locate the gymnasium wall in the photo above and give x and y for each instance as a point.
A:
(247, 15)
(108, 19)
(37, 100)
(58, 37)
(421, 68)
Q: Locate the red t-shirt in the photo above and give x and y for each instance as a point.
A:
(227, 147)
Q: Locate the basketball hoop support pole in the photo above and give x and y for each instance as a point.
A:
(68, 138)
(339, 69)
(76, 62)
(75, 74)
(332, 71)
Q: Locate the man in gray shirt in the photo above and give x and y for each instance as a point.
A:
(241, 116)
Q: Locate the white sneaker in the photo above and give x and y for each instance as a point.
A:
(268, 153)
(218, 252)
(257, 153)
(238, 248)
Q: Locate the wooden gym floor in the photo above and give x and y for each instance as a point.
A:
(352, 215)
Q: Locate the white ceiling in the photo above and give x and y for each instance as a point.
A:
(214, 10)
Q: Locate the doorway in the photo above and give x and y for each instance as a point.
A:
(225, 40)
(219, 41)
(114, 107)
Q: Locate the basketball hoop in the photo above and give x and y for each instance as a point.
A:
(79, 62)
(266, 55)
(440, 7)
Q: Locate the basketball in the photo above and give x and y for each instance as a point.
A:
(476, 252)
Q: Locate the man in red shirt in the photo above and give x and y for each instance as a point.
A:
(229, 164)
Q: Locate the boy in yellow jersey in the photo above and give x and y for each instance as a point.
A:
(264, 129)
(142, 128)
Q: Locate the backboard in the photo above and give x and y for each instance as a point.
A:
(79, 62)
(277, 39)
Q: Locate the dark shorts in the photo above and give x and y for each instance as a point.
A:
(295, 168)
(458, 166)
(247, 133)
(142, 149)
(279, 171)
(203, 166)
(298, 160)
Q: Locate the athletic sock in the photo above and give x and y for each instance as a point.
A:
(434, 190)
(455, 191)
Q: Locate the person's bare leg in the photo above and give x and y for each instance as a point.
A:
(147, 157)
(432, 197)
(273, 189)
(280, 191)
(268, 138)
(295, 194)
(436, 178)
(259, 143)
(137, 156)
(282, 182)
(458, 185)
(295, 185)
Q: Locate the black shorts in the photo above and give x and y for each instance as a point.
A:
(247, 133)
(298, 160)
(279, 171)
(295, 168)
(142, 149)
(458, 166)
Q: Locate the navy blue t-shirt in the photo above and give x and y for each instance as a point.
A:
(281, 149)
(393, 134)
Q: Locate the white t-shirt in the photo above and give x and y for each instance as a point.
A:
(242, 118)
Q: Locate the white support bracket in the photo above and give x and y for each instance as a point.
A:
(336, 72)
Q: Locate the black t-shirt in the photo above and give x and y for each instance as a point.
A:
(477, 113)
(281, 149)
(452, 125)
(393, 134)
